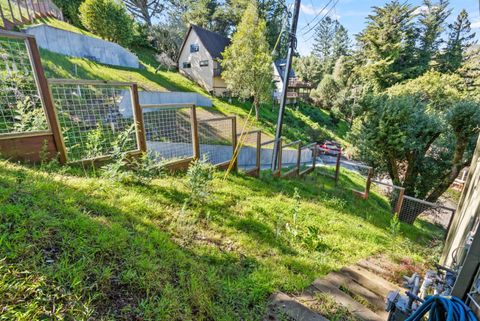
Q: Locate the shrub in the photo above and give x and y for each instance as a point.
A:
(107, 19)
(199, 178)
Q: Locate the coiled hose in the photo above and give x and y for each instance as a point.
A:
(443, 309)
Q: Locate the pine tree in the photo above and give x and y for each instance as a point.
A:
(341, 42)
(459, 40)
(247, 63)
(431, 27)
(324, 36)
(388, 45)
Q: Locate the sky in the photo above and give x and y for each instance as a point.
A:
(352, 14)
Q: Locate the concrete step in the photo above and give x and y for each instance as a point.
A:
(376, 302)
(357, 309)
(283, 307)
(370, 280)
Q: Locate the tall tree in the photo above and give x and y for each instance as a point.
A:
(145, 10)
(70, 10)
(421, 132)
(459, 40)
(341, 42)
(308, 68)
(324, 36)
(388, 45)
(431, 26)
(247, 63)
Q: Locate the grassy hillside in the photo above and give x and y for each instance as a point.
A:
(75, 246)
(306, 123)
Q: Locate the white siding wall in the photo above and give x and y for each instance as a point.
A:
(202, 75)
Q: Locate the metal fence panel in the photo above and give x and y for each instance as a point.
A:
(96, 119)
(249, 151)
(216, 139)
(413, 208)
(21, 108)
(168, 131)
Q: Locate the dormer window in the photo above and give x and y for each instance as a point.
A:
(194, 47)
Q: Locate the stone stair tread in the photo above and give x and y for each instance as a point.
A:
(282, 304)
(356, 308)
(339, 280)
(370, 280)
(375, 266)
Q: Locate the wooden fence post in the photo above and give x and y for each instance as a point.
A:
(398, 206)
(259, 153)
(234, 143)
(140, 127)
(314, 157)
(299, 158)
(369, 183)
(337, 167)
(46, 98)
(194, 125)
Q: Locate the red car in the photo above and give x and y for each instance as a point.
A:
(329, 148)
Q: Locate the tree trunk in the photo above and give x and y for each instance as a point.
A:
(256, 104)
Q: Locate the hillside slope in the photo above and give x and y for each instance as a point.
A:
(75, 246)
(306, 123)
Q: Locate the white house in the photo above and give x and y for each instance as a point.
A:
(296, 90)
(200, 56)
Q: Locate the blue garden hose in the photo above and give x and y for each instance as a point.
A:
(444, 309)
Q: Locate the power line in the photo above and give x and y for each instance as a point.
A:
(318, 15)
(324, 16)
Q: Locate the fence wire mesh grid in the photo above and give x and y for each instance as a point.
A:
(266, 154)
(247, 154)
(215, 140)
(21, 109)
(358, 180)
(413, 208)
(168, 131)
(306, 156)
(289, 156)
(326, 163)
(96, 120)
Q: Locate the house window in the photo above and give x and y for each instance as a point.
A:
(187, 65)
(194, 47)
(203, 63)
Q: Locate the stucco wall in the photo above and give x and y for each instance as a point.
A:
(78, 45)
(202, 75)
(155, 97)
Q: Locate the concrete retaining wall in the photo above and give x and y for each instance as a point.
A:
(77, 45)
(220, 154)
(154, 97)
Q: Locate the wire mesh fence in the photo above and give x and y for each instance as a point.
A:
(21, 108)
(359, 178)
(249, 151)
(216, 138)
(290, 159)
(96, 119)
(393, 193)
(327, 162)
(307, 158)
(413, 208)
(266, 154)
(168, 131)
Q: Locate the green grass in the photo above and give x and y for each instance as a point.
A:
(75, 246)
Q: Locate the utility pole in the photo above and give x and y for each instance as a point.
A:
(292, 45)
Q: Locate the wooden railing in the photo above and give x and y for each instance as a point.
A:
(19, 12)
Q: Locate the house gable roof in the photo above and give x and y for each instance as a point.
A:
(280, 65)
(214, 43)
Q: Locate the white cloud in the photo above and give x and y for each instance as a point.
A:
(310, 10)
(475, 25)
(421, 9)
